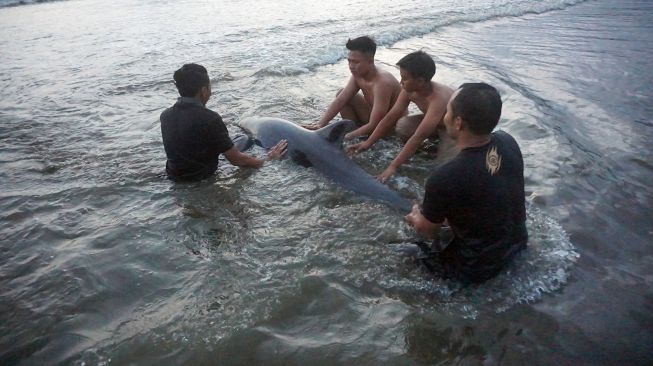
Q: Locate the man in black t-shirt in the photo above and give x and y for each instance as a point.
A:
(479, 193)
(194, 136)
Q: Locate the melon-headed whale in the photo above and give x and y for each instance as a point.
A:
(322, 150)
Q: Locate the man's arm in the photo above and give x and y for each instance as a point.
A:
(385, 125)
(380, 107)
(237, 158)
(426, 128)
(421, 224)
(337, 104)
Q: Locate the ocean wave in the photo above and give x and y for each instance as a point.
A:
(10, 3)
(280, 71)
(385, 29)
(394, 30)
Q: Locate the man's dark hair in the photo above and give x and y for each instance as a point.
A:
(479, 106)
(364, 44)
(190, 78)
(418, 64)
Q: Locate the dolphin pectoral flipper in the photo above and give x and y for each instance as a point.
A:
(335, 132)
(300, 158)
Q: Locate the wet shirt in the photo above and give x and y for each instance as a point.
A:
(481, 194)
(193, 137)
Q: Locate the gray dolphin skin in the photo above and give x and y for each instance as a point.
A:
(322, 150)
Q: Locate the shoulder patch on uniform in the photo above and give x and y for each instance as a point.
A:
(493, 161)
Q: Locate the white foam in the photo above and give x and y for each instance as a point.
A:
(542, 268)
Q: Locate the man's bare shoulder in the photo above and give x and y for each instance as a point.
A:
(440, 92)
(384, 81)
(445, 89)
(386, 77)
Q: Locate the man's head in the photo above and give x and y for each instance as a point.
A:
(417, 67)
(192, 80)
(475, 107)
(361, 55)
(364, 45)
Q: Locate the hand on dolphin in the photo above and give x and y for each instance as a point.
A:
(313, 126)
(357, 148)
(421, 224)
(278, 150)
(413, 215)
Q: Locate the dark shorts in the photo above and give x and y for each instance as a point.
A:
(451, 263)
(437, 261)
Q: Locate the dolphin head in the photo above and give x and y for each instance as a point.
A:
(250, 124)
(268, 130)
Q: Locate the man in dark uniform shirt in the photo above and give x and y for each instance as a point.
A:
(194, 136)
(480, 192)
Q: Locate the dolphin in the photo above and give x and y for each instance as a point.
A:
(322, 150)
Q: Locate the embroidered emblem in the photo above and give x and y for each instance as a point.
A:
(493, 161)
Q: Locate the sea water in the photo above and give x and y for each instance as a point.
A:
(104, 261)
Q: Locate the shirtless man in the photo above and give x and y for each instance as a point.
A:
(416, 70)
(380, 91)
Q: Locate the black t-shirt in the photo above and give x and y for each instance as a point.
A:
(481, 194)
(193, 138)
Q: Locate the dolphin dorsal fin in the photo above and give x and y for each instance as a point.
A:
(335, 132)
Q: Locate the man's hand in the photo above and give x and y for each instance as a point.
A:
(357, 148)
(387, 173)
(411, 218)
(421, 224)
(314, 126)
(278, 150)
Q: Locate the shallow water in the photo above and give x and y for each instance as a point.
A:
(104, 261)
